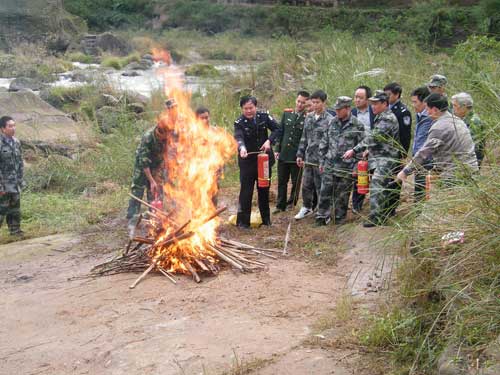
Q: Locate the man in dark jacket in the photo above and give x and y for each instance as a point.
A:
(403, 115)
(292, 124)
(251, 133)
(11, 176)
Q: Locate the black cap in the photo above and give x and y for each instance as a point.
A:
(438, 101)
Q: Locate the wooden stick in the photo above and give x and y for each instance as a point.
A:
(201, 265)
(166, 274)
(216, 213)
(228, 259)
(190, 268)
(287, 238)
(145, 240)
(142, 276)
(150, 206)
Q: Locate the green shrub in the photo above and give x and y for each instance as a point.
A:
(80, 57)
(112, 62)
(202, 70)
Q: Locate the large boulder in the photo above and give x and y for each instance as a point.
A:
(108, 42)
(39, 121)
(25, 83)
(37, 21)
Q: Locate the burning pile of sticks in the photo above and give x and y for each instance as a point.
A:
(144, 255)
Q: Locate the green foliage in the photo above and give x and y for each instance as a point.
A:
(202, 70)
(103, 14)
(80, 57)
(112, 62)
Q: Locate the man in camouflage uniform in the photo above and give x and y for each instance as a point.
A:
(149, 168)
(382, 147)
(315, 126)
(343, 134)
(449, 143)
(437, 84)
(463, 108)
(11, 176)
(292, 124)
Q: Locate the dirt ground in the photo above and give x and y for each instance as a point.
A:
(234, 323)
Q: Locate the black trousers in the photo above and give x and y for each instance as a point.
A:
(419, 186)
(248, 179)
(287, 171)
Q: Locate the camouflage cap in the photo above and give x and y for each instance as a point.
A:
(380, 96)
(437, 80)
(170, 103)
(342, 102)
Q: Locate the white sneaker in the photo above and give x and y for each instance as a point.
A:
(303, 213)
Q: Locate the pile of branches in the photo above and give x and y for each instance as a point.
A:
(140, 257)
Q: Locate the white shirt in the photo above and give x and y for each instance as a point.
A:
(364, 118)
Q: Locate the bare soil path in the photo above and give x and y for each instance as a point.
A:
(237, 323)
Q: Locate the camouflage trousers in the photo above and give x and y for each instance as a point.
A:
(10, 209)
(311, 185)
(139, 184)
(334, 190)
(382, 186)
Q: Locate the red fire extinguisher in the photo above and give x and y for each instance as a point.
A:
(263, 179)
(157, 203)
(362, 177)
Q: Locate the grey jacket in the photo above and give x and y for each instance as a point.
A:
(450, 145)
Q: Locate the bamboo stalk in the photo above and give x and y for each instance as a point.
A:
(287, 238)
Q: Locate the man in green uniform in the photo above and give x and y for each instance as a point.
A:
(343, 134)
(11, 176)
(463, 108)
(292, 124)
(315, 126)
(149, 168)
(382, 147)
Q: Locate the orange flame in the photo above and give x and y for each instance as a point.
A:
(194, 158)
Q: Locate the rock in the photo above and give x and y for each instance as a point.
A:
(109, 100)
(82, 76)
(25, 83)
(130, 73)
(136, 107)
(202, 70)
(107, 118)
(133, 97)
(37, 21)
(38, 120)
(108, 42)
(449, 363)
(148, 57)
(141, 65)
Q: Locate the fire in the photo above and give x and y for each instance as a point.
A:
(194, 158)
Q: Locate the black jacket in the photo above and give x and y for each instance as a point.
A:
(252, 133)
(404, 120)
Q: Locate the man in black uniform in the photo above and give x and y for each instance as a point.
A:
(251, 133)
(394, 91)
(292, 123)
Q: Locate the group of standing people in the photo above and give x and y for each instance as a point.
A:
(320, 146)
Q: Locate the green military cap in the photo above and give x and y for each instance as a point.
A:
(437, 80)
(343, 101)
(380, 96)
